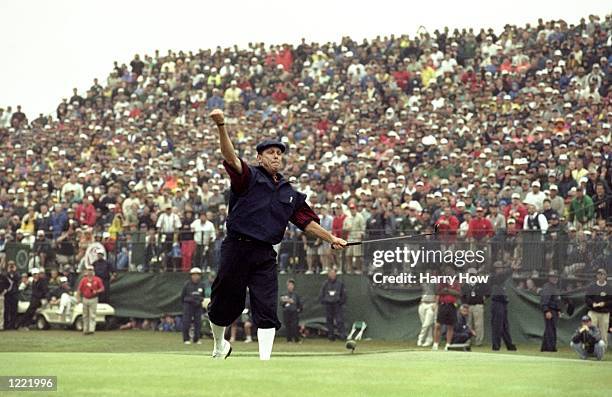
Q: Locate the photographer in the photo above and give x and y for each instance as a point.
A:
(587, 340)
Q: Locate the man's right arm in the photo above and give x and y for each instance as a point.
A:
(227, 148)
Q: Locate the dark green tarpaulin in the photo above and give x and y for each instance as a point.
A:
(390, 314)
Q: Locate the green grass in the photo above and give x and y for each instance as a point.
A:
(138, 363)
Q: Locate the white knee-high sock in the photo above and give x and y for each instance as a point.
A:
(265, 338)
(218, 335)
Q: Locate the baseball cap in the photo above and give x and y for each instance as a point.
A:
(602, 271)
(585, 318)
(195, 270)
(263, 145)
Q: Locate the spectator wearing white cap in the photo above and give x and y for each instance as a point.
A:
(63, 296)
(535, 196)
(85, 212)
(581, 209)
(73, 186)
(232, 94)
(556, 202)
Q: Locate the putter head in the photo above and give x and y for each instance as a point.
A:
(351, 345)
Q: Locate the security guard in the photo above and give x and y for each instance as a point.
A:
(474, 295)
(292, 305)
(550, 300)
(11, 298)
(261, 204)
(192, 297)
(106, 272)
(500, 328)
(333, 297)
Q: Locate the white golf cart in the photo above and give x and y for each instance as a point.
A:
(47, 315)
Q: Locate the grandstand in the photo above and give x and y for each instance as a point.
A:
(403, 124)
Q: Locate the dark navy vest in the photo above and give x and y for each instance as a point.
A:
(533, 223)
(263, 211)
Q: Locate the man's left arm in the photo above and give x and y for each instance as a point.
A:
(305, 219)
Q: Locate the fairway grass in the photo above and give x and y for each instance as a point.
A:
(137, 363)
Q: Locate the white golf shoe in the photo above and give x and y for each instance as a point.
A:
(227, 350)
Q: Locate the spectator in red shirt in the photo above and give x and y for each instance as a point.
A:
(447, 312)
(515, 207)
(279, 95)
(480, 227)
(448, 224)
(89, 288)
(334, 185)
(86, 212)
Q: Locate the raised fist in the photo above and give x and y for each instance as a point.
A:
(217, 116)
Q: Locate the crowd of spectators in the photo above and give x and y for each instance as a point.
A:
(472, 130)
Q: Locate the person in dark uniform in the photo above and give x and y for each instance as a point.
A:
(599, 303)
(40, 290)
(333, 298)
(550, 300)
(106, 272)
(192, 297)
(500, 328)
(11, 298)
(292, 306)
(261, 204)
(4, 286)
(474, 296)
(462, 330)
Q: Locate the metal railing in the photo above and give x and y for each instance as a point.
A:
(535, 253)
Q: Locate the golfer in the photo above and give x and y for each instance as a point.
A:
(261, 204)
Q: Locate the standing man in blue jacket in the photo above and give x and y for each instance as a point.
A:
(192, 297)
(261, 205)
(333, 298)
